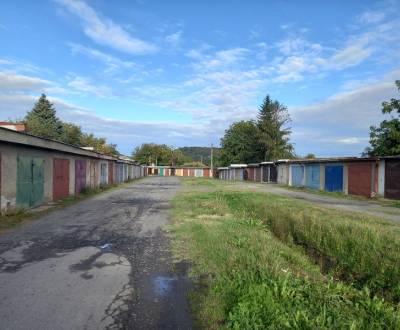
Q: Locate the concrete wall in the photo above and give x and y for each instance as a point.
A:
(8, 171)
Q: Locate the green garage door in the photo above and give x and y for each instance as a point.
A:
(30, 181)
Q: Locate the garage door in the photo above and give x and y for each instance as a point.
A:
(30, 181)
(360, 179)
(334, 178)
(110, 172)
(60, 178)
(273, 173)
(297, 175)
(392, 178)
(312, 176)
(80, 175)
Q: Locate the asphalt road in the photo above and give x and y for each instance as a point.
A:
(102, 263)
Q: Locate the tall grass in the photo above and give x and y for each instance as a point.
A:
(253, 278)
(354, 248)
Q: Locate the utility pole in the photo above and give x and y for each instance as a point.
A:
(212, 163)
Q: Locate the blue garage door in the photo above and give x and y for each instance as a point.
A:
(312, 176)
(334, 178)
(297, 175)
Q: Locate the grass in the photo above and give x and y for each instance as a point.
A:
(265, 261)
(20, 216)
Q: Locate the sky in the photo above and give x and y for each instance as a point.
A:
(180, 72)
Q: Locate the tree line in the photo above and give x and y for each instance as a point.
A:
(42, 121)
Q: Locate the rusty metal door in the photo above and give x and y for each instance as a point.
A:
(392, 178)
(360, 179)
(60, 178)
(80, 175)
(110, 173)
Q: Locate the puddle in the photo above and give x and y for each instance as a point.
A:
(106, 247)
(162, 285)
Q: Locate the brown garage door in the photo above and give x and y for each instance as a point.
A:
(360, 179)
(392, 178)
(60, 178)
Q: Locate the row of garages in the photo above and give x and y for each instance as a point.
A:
(356, 176)
(36, 171)
(180, 171)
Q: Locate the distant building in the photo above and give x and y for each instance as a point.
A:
(15, 127)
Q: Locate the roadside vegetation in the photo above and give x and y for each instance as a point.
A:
(265, 261)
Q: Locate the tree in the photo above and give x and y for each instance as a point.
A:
(385, 139)
(151, 153)
(310, 156)
(273, 131)
(240, 144)
(42, 120)
(98, 144)
(72, 134)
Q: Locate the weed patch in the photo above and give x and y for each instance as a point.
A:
(257, 268)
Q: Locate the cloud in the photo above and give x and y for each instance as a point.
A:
(344, 118)
(349, 56)
(174, 39)
(84, 85)
(12, 81)
(113, 63)
(371, 17)
(104, 31)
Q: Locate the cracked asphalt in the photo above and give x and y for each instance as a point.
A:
(103, 263)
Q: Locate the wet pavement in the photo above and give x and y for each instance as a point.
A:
(103, 263)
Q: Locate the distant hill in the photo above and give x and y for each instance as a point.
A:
(201, 154)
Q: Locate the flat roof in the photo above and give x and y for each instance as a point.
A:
(26, 139)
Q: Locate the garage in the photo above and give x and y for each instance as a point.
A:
(334, 178)
(313, 176)
(30, 181)
(110, 173)
(80, 175)
(273, 173)
(361, 178)
(297, 175)
(60, 178)
(392, 178)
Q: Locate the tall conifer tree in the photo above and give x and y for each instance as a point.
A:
(273, 131)
(43, 121)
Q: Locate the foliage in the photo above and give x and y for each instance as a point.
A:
(99, 144)
(240, 144)
(158, 154)
(261, 140)
(254, 279)
(202, 154)
(273, 133)
(43, 121)
(309, 156)
(194, 164)
(72, 134)
(385, 139)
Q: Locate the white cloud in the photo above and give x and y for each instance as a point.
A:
(174, 39)
(113, 63)
(371, 17)
(349, 56)
(104, 31)
(84, 85)
(12, 81)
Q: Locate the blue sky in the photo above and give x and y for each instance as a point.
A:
(180, 72)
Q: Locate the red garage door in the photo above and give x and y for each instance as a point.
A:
(206, 172)
(360, 179)
(60, 178)
(392, 178)
(110, 172)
